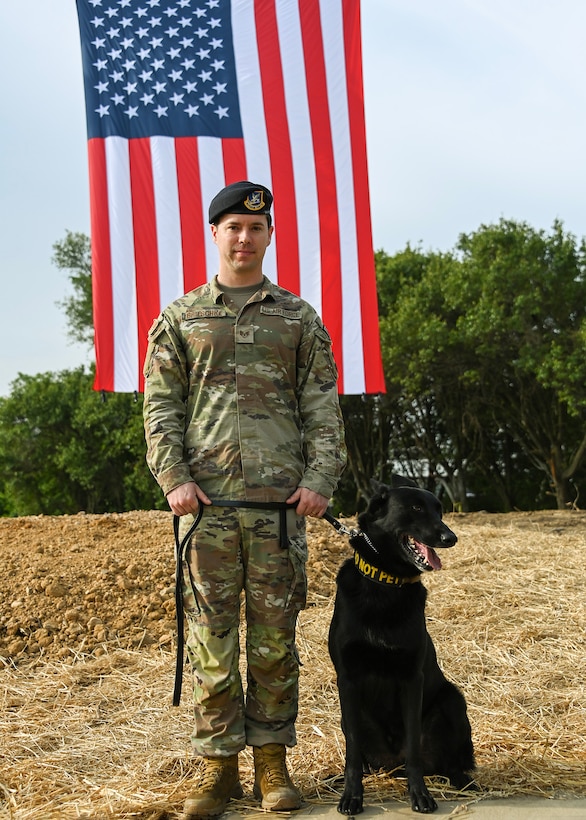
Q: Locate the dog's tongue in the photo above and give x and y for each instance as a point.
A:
(430, 555)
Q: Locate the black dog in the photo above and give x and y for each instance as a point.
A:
(398, 709)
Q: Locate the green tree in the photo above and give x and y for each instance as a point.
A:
(73, 255)
(486, 347)
(66, 449)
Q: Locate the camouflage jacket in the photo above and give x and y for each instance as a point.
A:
(244, 404)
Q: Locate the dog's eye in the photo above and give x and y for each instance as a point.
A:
(416, 508)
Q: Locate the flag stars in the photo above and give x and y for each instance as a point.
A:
(173, 39)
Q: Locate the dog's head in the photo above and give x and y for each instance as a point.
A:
(405, 525)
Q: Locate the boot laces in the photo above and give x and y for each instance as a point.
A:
(212, 773)
(275, 771)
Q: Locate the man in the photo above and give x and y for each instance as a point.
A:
(242, 416)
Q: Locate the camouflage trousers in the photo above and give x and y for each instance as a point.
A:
(236, 564)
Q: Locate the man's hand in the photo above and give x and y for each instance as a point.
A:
(186, 498)
(308, 502)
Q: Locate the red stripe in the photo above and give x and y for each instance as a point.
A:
(373, 372)
(317, 92)
(145, 242)
(234, 160)
(190, 213)
(103, 302)
(279, 142)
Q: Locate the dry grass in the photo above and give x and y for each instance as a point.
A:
(98, 738)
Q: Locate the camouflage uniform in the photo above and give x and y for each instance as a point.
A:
(246, 405)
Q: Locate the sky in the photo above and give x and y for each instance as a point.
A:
(475, 111)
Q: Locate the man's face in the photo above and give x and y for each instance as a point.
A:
(242, 240)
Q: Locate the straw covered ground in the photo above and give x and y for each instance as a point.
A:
(87, 729)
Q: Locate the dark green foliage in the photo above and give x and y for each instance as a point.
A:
(64, 448)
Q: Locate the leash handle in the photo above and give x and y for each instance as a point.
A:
(179, 550)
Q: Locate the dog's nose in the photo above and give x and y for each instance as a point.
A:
(449, 539)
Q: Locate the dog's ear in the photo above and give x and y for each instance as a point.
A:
(401, 481)
(378, 488)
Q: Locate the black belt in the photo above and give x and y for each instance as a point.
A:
(281, 506)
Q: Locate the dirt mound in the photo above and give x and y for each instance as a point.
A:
(84, 584)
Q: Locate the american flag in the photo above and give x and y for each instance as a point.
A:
(186, 96)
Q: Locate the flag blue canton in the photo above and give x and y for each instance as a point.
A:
(159, 68)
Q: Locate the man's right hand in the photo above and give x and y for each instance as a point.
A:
(186, 498)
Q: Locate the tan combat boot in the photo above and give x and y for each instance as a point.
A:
(272, 784)
(218, 782)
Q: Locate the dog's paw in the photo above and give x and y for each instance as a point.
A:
(350, 804)
(422, 801)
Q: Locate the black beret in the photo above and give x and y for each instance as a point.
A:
(241, 198)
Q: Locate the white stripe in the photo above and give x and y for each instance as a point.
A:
(352, 344)
(302, 151)
(252, 111)
(168, 220)
(123, 265)
(211, 165)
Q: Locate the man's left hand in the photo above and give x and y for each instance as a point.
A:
(308, 502)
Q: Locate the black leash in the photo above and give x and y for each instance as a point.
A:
(281, 506)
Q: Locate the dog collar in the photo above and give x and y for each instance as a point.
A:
(379, 575)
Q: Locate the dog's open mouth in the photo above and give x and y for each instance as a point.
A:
(425, 558)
